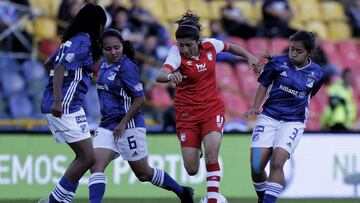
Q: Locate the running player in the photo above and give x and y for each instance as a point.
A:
(291, 80)
(70, 70)
(122, 128)
(198, 106)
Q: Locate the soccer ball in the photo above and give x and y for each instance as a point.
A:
(219, 197)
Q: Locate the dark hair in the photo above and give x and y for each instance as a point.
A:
(88, 20)
(128, 48)
(188, 26)
(307, 38)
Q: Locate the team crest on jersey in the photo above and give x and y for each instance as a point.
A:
(138, 87)
(111, 76)
(209, 56)
(310, 82)
(183, 137)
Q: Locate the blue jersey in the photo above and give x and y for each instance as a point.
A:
(75, 55)
(290, 88)
(118, 84)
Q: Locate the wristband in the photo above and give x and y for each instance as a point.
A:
(168, 76)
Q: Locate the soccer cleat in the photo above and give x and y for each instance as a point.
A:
(187, 196)
(44, 200)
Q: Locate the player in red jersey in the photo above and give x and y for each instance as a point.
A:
(198, 106)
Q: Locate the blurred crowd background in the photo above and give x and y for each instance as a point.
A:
(30, 31)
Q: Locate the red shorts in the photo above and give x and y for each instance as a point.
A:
(191, 134)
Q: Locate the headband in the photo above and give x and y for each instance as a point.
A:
(190, 26)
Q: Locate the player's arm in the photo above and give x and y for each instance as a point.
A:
(259, 97)
(252, 60)
(56, 108)
(163, 75)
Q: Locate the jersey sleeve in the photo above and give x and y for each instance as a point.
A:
(130, 77)
(267, 75)
(75, 53)
(218, 44)
(318, 84)
(173, 59)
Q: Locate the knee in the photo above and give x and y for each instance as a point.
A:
(191, 170)
(276, 165)
(211, 156)
(89, 161)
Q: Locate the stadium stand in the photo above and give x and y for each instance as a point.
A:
(23, 77)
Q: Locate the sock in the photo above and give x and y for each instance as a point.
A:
(213, 181)
(97, 184)
(272, 192)
(260, 189)
(162, 179)
(64, 191)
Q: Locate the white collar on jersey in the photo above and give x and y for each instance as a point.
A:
(307, 65)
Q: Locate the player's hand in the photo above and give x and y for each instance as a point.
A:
(254, 64)
(119, 130)
(176, 77)
(56, 109)
(251, 112)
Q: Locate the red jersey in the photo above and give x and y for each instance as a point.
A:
(197, 97)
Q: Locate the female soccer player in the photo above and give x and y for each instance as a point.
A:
(198, 107)
(291, 80)
(70, 76)
(122, 128)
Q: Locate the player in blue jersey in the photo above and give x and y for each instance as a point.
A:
(122, 127)
(70, 76)
(291, 81)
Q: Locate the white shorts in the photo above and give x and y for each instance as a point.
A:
(271, 133)
(69, 128)
(132, 145)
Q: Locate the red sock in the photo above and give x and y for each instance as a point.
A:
(213, 181)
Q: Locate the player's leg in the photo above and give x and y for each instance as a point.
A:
(262, 140)
(211, 135)
(190, 141)
(286, 140)
(259, 157)
(160, 178)
(105, 151)
(75, 133)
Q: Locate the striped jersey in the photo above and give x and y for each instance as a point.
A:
(290, 88)
(117, 86)
(75, 55)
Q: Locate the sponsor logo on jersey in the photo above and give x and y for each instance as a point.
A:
(310, 82)
(288, 90)
(138, 87)
(201, 67)
(209, 56)
(283, 74)
(111, 76)
(80, 119)
(189, 63)
(255, 137)
(70, 57)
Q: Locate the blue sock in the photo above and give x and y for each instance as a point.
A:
(63, 189)
(260, 189)
(162, 179)
(97, 184)
(272, 192)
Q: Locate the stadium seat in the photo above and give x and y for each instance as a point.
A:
(155, 7)
(257, 14)
(200, 7)
(33, 70)
(339, 30)
(246, 8)
(175, 9)
(248, 81)
(159, 97)
(215, 8)
(235, 105)
(328, 46)
(309, 10)
(225, 77)
(45, 28)
(277, 46)
(349, 53)
(238, 41)
(12, 83)
(49, 8)
(257, 46)
(20, 106)
(319, 28)
(332, 11)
